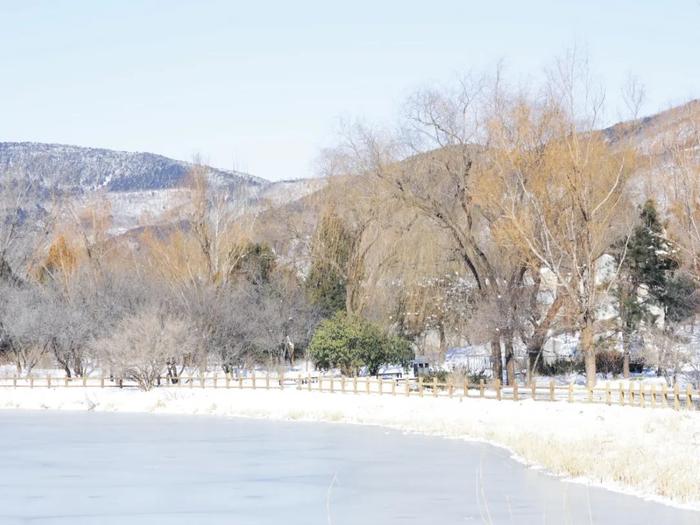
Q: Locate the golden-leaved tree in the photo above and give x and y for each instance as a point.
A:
(566, 202)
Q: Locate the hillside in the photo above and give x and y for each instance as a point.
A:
(77, 169)
(138, 186)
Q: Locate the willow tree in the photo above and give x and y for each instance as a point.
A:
(566, 208)
(429, 168)
(330, 255)
(440, 166)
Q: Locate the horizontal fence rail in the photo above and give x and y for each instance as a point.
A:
(632, 394)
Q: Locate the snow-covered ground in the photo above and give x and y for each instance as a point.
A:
(652, 453)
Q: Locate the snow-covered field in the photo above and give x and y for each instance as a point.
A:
(652, 453)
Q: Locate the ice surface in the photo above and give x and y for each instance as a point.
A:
(62, 467)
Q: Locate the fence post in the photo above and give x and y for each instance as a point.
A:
(354, 384)
(450, 390)
(466, 388)
(202, 379)
(342, 384)
(102, 380)
(676, 397)
(407, 387)
(420, 386)
(299, 382)
(267, 380)
(435, 387)
(551, 389)
(381, 386)
(630, 397)
(84, 380)
(216, 379)
(228, 379)
(393, 387)
(590, 393)
(14, 381)
(48, 381)
(641, 395)
(367, 385)
(253, 378)
(498, 389)
(281, 380)
(664, 395)
(533, 390)
(653, 396)
(516, 397)
(571, 392)
(65, 381)
(622, 395)
(240, 382)
(608, 393)
(688, 397)
(332, 384)
(31, 381)
(308, 382)
(481, 388)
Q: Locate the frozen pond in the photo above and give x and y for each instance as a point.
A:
(78, 468)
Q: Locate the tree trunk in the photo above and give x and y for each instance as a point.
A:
(532, 359)
(588, 352)
(625, 354)
(534, 355)
(536, 341)
(78, 368)
(496, 358)
(443, 343)
(510, 358)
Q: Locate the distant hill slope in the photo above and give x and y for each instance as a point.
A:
(140, 187)
(79, 169)
(655, 134)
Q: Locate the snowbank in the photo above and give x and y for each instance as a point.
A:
(651, 453)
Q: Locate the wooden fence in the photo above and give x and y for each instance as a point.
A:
(633, 394)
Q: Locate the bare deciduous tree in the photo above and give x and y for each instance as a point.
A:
(144, 345)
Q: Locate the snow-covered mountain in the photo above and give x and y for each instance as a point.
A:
(139, 187)
(77, 170)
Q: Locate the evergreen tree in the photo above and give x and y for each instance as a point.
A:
(647, 266)
(349, 342)
(255, 262)
(327, 279)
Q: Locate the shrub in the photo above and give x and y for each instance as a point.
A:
(144, 344)
(561, 366)
(608, 362)
(440, 375)
(350, 342)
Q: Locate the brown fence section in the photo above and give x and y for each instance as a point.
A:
(632, 394)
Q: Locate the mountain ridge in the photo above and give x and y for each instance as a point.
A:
(80, 168)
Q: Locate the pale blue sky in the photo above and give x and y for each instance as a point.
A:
(259, 85)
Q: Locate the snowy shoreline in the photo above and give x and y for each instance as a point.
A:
(653, 454)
